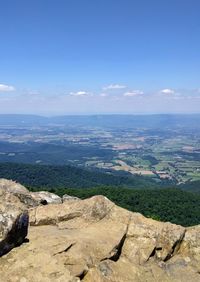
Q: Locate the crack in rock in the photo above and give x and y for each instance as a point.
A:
(117, 250)
(82, 274)
(65, 250)
(175, 247)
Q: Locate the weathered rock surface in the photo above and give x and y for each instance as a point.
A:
(79, 213)
(12, 187)
(30, 199)
(67, 198)
(44, 197)
(94, 240)
(13, 222)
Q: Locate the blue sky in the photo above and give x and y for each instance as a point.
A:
(99, 56)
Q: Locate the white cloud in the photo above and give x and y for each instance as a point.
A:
(79, 93)
(103, 95)
(133, 93)
(167, 91)
(33, 92)
(114, 86)
(6, 88)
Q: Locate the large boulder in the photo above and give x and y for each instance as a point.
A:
(13, 222)
(77, 212)
(12, 187)
(67, 198)
(19, 191)
(44, 198)
(30, 199)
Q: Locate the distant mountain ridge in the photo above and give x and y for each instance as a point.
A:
(112, 120)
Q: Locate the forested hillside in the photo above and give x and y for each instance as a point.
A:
(50, 176)
(135, 193)
(193, 186)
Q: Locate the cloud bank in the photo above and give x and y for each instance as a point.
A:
(114, 86)
(6, 88)
(167, 91)
(133, 93)
(80, 93)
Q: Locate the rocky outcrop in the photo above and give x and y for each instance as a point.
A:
(30, 199)
(44, 198)
(12, 187)
(94, 240)
(72, 214)
(67, 198)
(13, 222)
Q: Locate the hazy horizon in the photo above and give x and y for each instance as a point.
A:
(101, 114)
(99, 57)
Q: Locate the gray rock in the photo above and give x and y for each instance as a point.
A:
(14, 221)
(30, 199)
(67, 198)
(12, 187)
(44, 197)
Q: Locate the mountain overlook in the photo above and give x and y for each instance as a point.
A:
(100, 141)
(68, 239)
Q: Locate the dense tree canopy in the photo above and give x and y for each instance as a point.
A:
(136, 193)
(51, 176)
